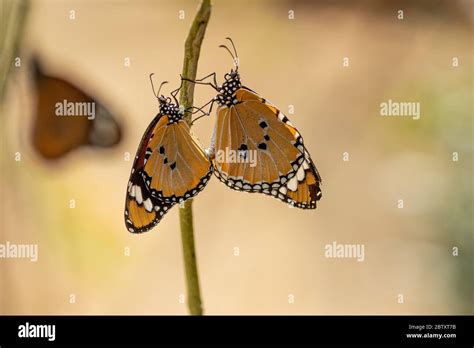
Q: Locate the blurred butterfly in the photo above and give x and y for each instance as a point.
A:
(170, 167)
(249, 127)
(67, 118)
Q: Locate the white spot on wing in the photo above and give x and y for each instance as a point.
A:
(292, 184)
(138, 193)
(300, 174)
(148, 205)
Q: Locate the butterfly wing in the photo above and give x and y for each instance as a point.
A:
(54, 136)
(303, 190)
(281, 165)
(142, 211)
(169, 167)
(176, 166)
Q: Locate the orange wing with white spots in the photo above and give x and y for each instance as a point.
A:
(169, 167)
(269, 158)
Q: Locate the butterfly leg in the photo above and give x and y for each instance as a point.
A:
(200, 81)
(206, 77)
(203, 112)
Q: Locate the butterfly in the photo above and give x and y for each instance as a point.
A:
(248, 124)
(170, 167)
(67, 118)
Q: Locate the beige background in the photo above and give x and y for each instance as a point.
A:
(290, 62)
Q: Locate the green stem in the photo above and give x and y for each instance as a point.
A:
(192, 48)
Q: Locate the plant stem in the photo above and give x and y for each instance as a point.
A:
(192, 48)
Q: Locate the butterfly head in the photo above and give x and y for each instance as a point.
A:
(228, 89)
(170, 109)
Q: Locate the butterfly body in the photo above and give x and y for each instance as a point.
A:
(247, 122)
(169, 167)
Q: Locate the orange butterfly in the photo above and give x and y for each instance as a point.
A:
(67, 118)
(170, 167)
(249, 126)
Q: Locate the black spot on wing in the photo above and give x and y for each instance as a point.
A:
(243, 147)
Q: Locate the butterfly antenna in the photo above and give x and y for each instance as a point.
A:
(236, 59)
(233, 46)
(161, 85)
(153, 86)
(228, 50)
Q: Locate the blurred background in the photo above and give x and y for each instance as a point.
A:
(255, 254)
